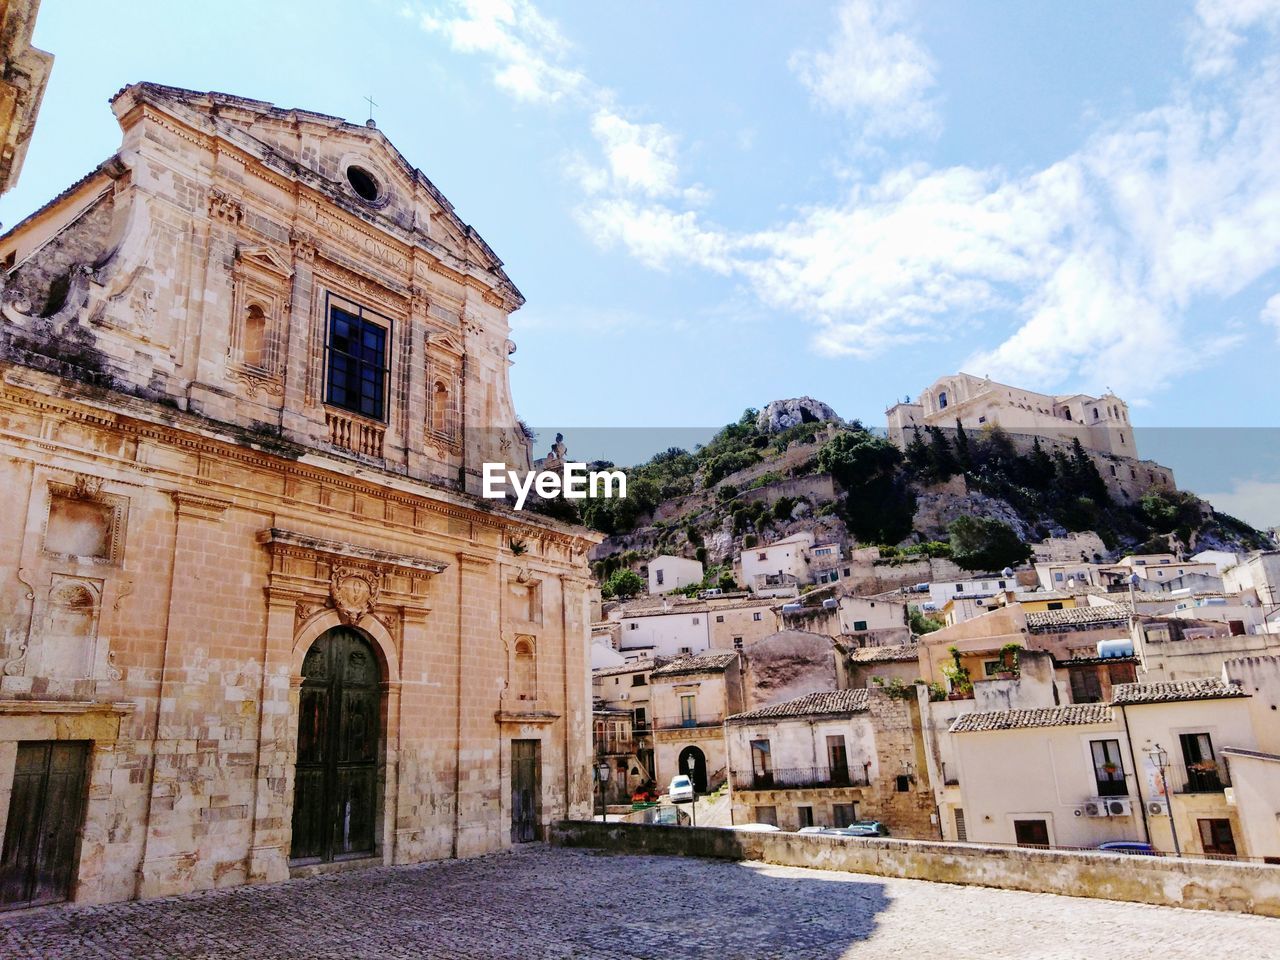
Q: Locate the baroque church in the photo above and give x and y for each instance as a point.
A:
(258, 621)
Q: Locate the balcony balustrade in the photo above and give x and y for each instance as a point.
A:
(354, 433)
(1206, 776)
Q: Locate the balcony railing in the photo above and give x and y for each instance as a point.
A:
(787, 778)
(354, 433)
(1206, 776)
(675, 723)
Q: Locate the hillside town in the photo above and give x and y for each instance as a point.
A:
(1085, 695)
(312, 646)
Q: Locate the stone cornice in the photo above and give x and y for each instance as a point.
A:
(191, 434)
(532, 717)
(290, 542)
(194, 505)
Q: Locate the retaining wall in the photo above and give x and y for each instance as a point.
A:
(1163, 881)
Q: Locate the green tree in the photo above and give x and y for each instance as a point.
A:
(921, 623)
(879, 504)
(985, 543)
(623, 584)
(917, 453)
(942, 462)
(964, 457)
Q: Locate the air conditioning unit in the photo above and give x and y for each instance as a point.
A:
(1158, 808)
(624, 695)
(1118, 806)
(1096, 808)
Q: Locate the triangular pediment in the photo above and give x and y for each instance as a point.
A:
(284, 139)
(265, 258)
(445, 343)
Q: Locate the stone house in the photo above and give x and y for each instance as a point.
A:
(1158, 760)
(690, 698)
(667, 573)
(257, 621)
(626, 689)
(735, 623)
(772, 568)
(829, 758)
(675, 630)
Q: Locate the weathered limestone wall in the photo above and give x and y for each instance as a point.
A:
(183, 670)
(1163, 881)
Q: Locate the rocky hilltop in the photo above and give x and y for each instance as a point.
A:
(780, 415)
(977, 499)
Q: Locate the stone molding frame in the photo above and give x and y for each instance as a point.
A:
(313, 586)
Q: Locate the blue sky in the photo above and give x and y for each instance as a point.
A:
(716, 204)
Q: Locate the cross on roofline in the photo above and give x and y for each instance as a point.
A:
(372, 103)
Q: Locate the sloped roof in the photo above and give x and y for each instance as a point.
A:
(633, 666)
(886, 654)
(1073, 715)
(702, 663)
(1175, 691)
(828, 703)
(1102, 613)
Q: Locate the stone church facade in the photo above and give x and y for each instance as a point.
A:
(257, 620)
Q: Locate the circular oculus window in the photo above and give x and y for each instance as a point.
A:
(362, 183)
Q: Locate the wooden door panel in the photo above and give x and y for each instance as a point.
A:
(46, 811)
(353, 827)
(526, 789)
(335, 794)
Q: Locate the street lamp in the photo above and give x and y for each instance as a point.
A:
(1159, 756)
(602, 777)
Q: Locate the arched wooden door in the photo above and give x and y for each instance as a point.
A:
(336, 780)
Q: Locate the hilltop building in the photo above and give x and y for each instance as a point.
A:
(1101, 424)
(256, 618)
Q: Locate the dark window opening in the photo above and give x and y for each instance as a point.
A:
(362, 183)
(1108, 770)
(357, 363)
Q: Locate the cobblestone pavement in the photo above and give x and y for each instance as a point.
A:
(540, 903)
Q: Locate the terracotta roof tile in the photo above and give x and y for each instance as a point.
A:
(1103, 613)
(885, 654)
(825, 703)
(1174, 691)
(702, 663)
(1073, 715)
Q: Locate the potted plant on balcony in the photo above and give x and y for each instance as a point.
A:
(1008, 665)
(957, 675)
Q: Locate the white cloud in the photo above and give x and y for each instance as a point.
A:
(1220, 28)
(873, 71)
(640, 156)
(525, 46)
(1271, 313)
(1098, 260)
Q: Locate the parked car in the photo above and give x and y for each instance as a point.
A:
(1133, 847)
(680, 790)
(860, 828)
(757, 828)
(868, 828)
(814, 829)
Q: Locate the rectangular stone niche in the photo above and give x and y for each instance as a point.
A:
(84, 526)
